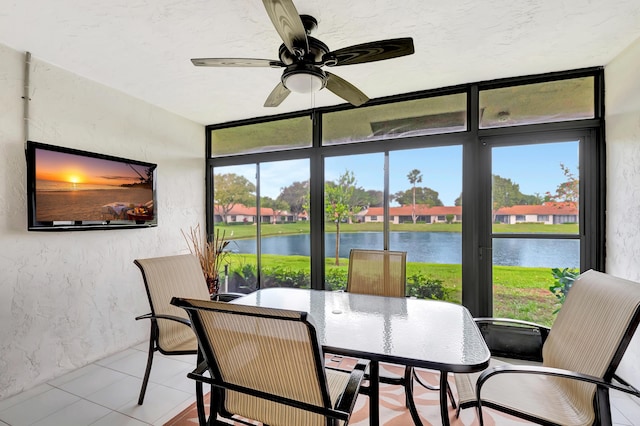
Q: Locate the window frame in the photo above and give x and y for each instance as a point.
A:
(476, 179)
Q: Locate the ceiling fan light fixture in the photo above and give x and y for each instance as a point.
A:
(304, 78)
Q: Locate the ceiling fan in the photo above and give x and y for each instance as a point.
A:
(303, 57)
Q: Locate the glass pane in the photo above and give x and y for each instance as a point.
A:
(534, 193)
(262, 137)
(354, 186)
(429, 229)
(442, 114)
(547, 102)
(234, 199)
(285, 243)
(535, 188)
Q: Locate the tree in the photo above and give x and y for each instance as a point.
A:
(569, 191)
(231, 189)
(507, 193)
(363, 198)
(278, 207)
(295, 195)
(338, 197)
(458, 201)
(375, 198)
(414, 177)
(425, 196)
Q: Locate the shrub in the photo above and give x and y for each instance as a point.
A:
(564, 280)
(285, 277)
(422, 287)
(243, 278)
(335, 279)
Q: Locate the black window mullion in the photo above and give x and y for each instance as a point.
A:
(316, 201)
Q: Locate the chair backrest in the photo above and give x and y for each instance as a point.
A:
(164, 278)
(592, 331)
(377, 272)
(262, 349)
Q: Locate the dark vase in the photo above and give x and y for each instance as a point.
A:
(214, 285)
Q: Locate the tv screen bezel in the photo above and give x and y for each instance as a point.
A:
(80, 225)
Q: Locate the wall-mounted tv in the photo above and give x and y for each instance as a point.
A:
(69, 189)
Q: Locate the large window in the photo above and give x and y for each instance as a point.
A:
(489, 187)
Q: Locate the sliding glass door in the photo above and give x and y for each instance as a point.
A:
(535, 226)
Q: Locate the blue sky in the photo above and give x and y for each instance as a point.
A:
(536, 168)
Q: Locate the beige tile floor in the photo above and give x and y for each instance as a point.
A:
(105, 393)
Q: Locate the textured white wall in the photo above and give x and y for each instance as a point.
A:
(69, 298)
(623, 180)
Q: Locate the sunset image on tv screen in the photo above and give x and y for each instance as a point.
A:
(72, 187)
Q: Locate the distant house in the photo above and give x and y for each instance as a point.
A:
(403, 214)
(242, 214)
(549, 213)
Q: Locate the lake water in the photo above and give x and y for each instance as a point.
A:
(429, 247)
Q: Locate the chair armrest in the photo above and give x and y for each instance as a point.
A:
(511, 338)
(198, 375)
(549, 371)
(167, 317)
(481, 320)
(347, 400)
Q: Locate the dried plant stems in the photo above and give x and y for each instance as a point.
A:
(211, 254)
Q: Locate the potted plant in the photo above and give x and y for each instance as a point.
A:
(210, 253)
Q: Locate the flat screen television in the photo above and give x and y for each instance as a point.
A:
(69, 189)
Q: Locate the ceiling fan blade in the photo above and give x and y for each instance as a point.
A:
(277, 95)
(236, 62)
(371, 52)
(345, 90)
(286, 20)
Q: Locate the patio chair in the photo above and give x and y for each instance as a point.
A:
(165, 277)
(579, 353)
(267, 365)
(383, 273)
(377, 272)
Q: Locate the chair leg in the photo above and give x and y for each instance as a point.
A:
(202, 418)
(450, 393)
(436, 388)
(408, 391)
(147, 372)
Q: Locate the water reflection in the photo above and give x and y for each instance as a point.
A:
(430, 247)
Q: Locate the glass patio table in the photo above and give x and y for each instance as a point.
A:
(429, 334)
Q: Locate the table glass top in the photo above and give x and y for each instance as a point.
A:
(423, 333)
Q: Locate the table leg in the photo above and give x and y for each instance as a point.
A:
(374, 393)
(444, 408)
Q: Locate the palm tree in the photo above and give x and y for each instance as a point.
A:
(414, 176)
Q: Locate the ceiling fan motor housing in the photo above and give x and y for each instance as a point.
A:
(314, 54)
(303, 73)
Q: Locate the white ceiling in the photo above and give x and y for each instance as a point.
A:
(143, 47)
